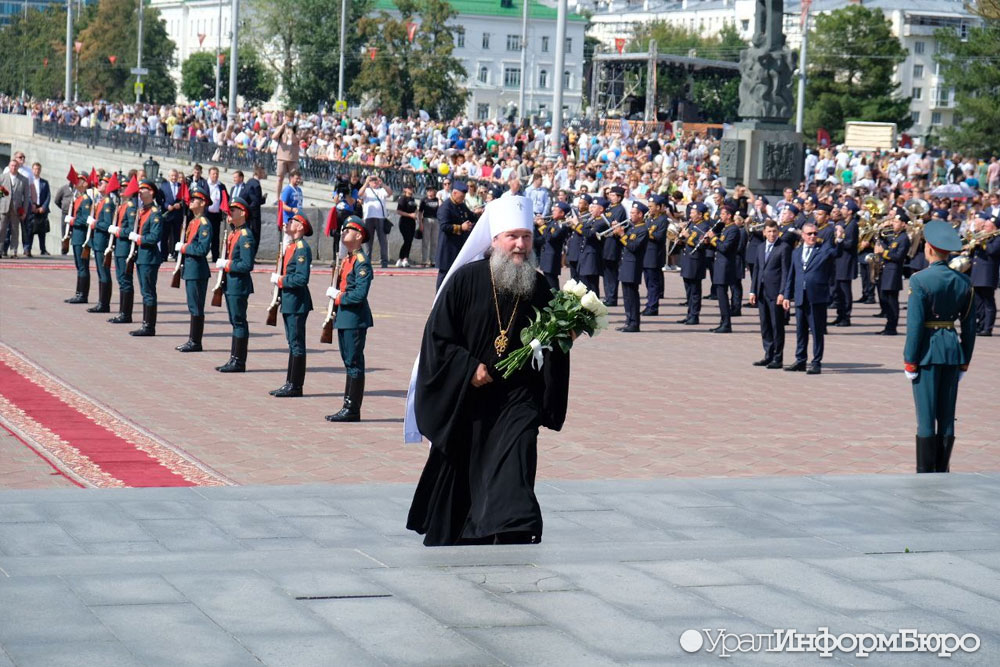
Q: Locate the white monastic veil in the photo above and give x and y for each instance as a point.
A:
(500, 215)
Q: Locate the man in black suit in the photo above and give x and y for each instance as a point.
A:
(251, 193)
(172, 214)
(216, 216)
(38, 221)
(196, 178)
(770, 274)
(808, 282)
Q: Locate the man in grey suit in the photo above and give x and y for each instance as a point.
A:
(14, 206)
(63, 198)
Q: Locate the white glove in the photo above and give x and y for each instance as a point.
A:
(961, 374)
(221, 263)
(177, 246)
(332, 292)
(274, 278)
(911, 375)
(91, 220)
(132, 236)
(114, 229)
(68, 218)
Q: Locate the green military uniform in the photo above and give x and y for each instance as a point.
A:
(934, 352)
(195, 272)
(239, 287)
(148, 229)
(78, 236)
(296, 303)
(353, 319)
(104, 212)
(125, 221)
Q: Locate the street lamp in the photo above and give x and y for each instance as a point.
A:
(152, 169)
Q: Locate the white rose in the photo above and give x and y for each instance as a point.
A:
(580, 290)
(570, 286)
(591, 302)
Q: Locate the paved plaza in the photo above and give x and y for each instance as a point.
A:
(687, 491)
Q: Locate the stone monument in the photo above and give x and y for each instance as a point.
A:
(763, 151)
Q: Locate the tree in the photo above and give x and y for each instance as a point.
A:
(407, 76)
(33, 50)
(988, 9)
(970, 66)
(114, 32)
(852, 55)
(254, 83)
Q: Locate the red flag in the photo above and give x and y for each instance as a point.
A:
(224, 204)
(822, 137)
(411, 30)
(184, 194)
(620, 44)
(281, 215)
(113, 184)
(371, 53)
(804, 18)
(331, 222)
(78, 46)
(132, 189)
(201, 38)
(94, 180)
(45, 62)
(222, 58)
(112, 59)
(72, 176)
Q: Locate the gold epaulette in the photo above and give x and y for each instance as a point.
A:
(243, 232)
(299, 244)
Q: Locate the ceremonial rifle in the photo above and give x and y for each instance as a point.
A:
(331, 309)
(272, 308)
(182, 196)
(220, 282)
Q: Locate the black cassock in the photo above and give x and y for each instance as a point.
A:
(480, 474)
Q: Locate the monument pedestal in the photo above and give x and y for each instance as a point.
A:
(765, 157)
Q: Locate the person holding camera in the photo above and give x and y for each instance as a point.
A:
(284, 136)
(373, 195)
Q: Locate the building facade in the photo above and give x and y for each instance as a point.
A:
(194, 25)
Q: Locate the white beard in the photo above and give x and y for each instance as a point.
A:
(517, 279)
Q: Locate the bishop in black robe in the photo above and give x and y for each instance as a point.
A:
(477, 486)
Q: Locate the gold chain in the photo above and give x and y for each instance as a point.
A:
(501, 341)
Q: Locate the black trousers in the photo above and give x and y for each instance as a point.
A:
(736, 298)
(171, 235)
(722, 296)
(654, 287)
(890, 304)
(630, 295)
(986, 309)
(407, 227)
(772, 328)
(810, 317)
(844, 299)
(574, 272)
(611, 282)
(867, 286)
(592, 283)
(692, 288)
(215, 220)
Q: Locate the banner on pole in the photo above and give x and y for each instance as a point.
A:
(372, 50)
(805, 13)
(620, 45)
(411, 30)
(78, 46)
(112, 59)
(201, 38)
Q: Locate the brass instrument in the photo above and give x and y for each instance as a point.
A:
(756, 227)
(962, 262)
(875, 206)
(674, 230)
(615, 226)
(917, 208)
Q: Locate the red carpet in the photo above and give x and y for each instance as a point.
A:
(88, 443)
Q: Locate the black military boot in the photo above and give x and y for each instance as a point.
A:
(298, 377)
(927, 453)
(238, 362)
(354, 394)
(78, 296)
(126, 299)
(232, 356)
(148, 327)
(947, 443)
(103, 304)
(288, 380)
(197, 328)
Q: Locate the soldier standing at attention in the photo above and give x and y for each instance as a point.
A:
(693, 262)
(238, 263)
(103, 217)
(78, 218)
(934, 356)
(354, 317)
(655, 256)
(293, 281)
(148, 258)
(194, 248)
(124, 223)
(633, 243)
(895, 256)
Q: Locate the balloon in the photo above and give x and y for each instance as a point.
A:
(443, 169)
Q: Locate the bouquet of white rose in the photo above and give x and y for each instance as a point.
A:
(573, 310)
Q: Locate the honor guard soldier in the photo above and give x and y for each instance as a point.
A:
(146, 238)
(78, 219)
(353, 318)
(934, 356)
(655, 256)
(124, 223)
(767, 294)
(590, 253)
(574, 242)
(238, 264)
(611, 250)
(725, 274)
(846, 265)
(891, 281)
(554, 235)
(103, 217)
(984, 273)
(293, 281)
(194, 249)
(693, 262)
(633, 239)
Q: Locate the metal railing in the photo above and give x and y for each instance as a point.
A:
(232, 157)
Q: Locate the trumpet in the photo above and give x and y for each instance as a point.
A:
(962, 262)
(917, 208)
(674, 230)
(615, 226)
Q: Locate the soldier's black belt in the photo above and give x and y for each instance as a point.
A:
(939, 324)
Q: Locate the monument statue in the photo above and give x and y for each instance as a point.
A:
(766, 68)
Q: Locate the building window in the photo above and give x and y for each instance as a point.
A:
(566, 80)
(459, 38)
(918, 71)
(545, 44)
(484, 74)
(943, 97)
(482, 111)
(511, 77)
(745, 25)
(513, 42)
(936, 118)
(956, 119)
(918, 48)
(917, 93)
(569, 45)
(486, 40)
(543, 79)
(915, 117)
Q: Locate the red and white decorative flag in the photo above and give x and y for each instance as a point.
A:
(620, 45)
(371, 53)
(201, 38)
(78, 46)
(222, 59)
(45, 62)
(411, 30)
(112, 59)
(805, 13)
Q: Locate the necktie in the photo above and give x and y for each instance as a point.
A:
(805, 256)
(767, 252)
